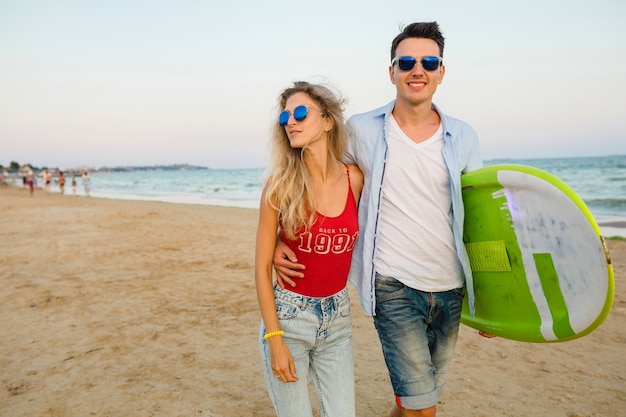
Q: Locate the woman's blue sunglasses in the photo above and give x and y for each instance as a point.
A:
(299, 113)
(406, 63)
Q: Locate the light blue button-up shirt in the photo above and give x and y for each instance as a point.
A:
(368, 149)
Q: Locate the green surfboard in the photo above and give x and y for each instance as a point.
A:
(542, 271)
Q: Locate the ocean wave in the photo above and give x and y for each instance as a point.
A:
(612, 204)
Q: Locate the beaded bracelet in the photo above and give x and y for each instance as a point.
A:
(272, 334)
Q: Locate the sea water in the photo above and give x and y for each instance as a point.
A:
(216, 187)
(599, 181)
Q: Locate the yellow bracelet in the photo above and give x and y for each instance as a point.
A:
(272, 334)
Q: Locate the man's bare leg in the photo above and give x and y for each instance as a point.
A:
(399, 412)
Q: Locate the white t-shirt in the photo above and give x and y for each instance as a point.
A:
(416, 244)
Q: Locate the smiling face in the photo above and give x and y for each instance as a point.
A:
(313, 128)
(416, 86)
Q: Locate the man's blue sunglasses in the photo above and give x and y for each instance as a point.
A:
(406, 63)
(299, 113)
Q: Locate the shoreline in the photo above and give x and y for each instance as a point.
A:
(138, 308)
(613, 226)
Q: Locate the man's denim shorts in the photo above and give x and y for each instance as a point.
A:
(418, 332)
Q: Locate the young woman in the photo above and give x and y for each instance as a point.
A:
(309, 202)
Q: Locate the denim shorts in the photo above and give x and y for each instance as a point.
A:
(418, 332)
(318, 333)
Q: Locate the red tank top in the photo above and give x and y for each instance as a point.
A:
(326, 250)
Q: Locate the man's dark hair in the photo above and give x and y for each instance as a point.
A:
(428, 30)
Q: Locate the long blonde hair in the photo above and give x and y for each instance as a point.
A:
(288, 185)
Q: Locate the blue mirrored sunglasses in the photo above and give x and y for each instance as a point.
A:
(299, 113)
(406, 63)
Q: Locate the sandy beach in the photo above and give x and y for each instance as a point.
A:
(131, 308)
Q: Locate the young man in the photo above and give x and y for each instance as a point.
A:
(409, 264)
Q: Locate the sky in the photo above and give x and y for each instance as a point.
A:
(151, 82)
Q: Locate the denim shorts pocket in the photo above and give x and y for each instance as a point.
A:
(459, 292)
(387, 288)
(286, 310)
(344, 307)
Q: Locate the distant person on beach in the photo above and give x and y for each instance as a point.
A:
(86, 181)
(74, 184)
(61, 182)
(30, 182)
(47, 179)
(410, 265)
(310, 198)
